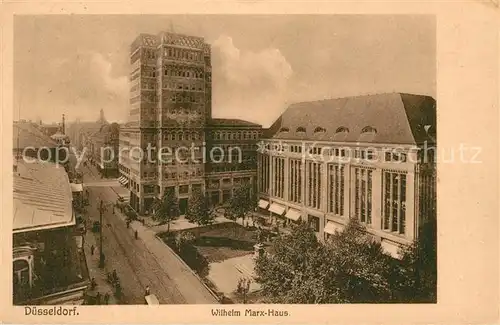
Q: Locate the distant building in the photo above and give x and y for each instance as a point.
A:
(224, 170)
(49, 265)
(366, 157)
(171, 106)
(50, 129)
(104, 149)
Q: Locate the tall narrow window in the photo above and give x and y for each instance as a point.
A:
(394, 214)
(336, 189)
(362, 194)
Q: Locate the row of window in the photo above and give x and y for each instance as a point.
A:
(148, 54)
(235, 135)
(182, 54)
(182, 97)
(182, 86)
(393, 190)
(184, 73)
(233, 168)
(367, 154)
(319, 129)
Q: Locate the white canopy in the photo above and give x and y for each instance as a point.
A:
(277, 208)
(331, 227)
(263, 204)
(293, 214)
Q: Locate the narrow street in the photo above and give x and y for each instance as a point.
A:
(136, 266)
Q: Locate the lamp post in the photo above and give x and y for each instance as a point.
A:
(101, 255)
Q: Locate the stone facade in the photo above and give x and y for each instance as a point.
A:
(328, 169)
(170, 107)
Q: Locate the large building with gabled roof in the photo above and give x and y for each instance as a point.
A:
(368, 157)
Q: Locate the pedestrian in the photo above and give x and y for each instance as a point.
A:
(147, 291)
(92, 248)
(106, 298)
(136, 234)
(98, 298)
(113, 209)
(93, 284)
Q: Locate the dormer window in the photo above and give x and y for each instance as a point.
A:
(342, 130)
(369, 129)
(284, 129)
(319, 129)
(301, 129)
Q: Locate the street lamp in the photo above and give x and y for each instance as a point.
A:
(101, 255)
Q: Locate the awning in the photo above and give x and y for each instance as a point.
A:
(263, 204)
(76, 188)
(391, 248)
(293, 214)
(125, 182)
(277, 208)
(121, 179)
(331, 227)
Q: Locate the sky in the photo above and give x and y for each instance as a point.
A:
(78, 64)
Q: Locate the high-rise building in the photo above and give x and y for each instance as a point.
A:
(170, 108)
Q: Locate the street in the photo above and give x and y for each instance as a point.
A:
(136, 266)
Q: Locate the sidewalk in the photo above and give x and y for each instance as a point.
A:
(95, 272)
(189, 285)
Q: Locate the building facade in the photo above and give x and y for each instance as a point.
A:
(233, 158)
(49, 265)
(170, 108)
(104, 146)
(367, 157)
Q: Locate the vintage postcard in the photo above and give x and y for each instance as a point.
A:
(250, 162)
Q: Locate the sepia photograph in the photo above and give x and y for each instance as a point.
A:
(250, 162)
(224, 160)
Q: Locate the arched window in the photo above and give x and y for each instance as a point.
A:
(301, 129)
(319, 129)
(342, 130)
(369, 129)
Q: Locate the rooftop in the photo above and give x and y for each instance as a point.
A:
(42, 197)
(28, 134)
(381, 118)
(231, 122)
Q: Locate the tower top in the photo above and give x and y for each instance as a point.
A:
(102, 119)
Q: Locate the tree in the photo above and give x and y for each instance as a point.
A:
(167, 209)
(242, 202)
(348, 268)
(198, 209)
(286, 274)
(417, 271)
(360, 268)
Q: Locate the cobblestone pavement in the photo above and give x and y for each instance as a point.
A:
(145, 261)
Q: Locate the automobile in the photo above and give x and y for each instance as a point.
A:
(96, 226)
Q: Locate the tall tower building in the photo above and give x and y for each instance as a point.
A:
(170, 104)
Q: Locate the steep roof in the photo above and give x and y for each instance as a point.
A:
(381, 118)
(42, 197)
(231, 122)
(29, 134)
